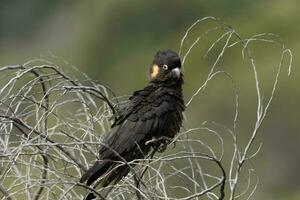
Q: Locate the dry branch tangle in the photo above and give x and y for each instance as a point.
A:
(51, 126)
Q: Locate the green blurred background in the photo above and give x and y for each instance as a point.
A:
(114, 41)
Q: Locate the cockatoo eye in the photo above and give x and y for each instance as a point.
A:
(165, 67)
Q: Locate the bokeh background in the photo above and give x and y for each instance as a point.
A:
(114, 41)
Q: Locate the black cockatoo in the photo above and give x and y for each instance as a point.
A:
(150, 120)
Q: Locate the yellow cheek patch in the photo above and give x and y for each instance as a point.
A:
(155, 71)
